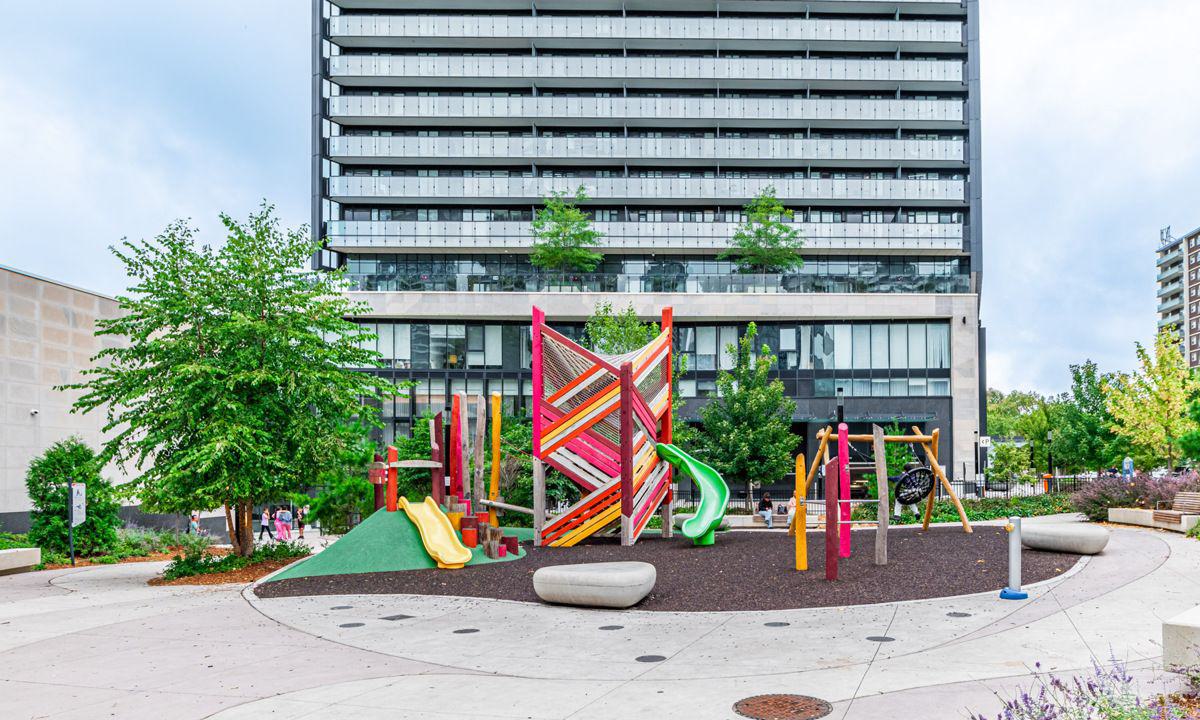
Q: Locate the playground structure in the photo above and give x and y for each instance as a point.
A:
(837, 492)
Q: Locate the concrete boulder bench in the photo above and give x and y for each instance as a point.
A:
(609, 584)
(1078, 538)
(19, 560)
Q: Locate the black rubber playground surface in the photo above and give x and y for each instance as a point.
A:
(743, 571)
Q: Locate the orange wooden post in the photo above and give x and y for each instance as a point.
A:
(393, 456)
(800, 519)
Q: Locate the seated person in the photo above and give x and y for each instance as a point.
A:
(791, 506)
(767, 509)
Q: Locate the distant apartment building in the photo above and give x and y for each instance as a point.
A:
(1178, 262)
(439, 127)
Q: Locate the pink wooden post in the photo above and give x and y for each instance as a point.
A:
(627, 454)
(379, 483)
(539, 319)
(456, 455)
(844, 485)
(831, 518)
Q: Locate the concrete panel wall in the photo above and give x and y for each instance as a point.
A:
(46, 339)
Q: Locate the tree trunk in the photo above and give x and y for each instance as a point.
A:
(245, 510)
(231, 528)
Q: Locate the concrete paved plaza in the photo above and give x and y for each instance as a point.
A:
(98, 642)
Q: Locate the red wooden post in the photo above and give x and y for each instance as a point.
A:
(539, 319)
(437, 454)
(627, 454)
(392, 481)
(378, 484)
(831, 518)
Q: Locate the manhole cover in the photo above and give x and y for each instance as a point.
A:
(341, 607)
(782, 707)
(777, 624)
(350, 625)
(958, 614)
(466, 631)
(881, 638)
(395, 617)
(650, 658)
(612, 627)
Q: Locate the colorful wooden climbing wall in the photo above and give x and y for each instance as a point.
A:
(598, 419)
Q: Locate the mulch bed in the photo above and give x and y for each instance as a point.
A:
(241, 576)
(152, 557)
(743, 571)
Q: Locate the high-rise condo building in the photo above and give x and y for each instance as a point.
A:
(1178, 263)
(441, 125)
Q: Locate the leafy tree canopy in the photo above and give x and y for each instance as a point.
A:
(746, 428)
(233, 385)
(767, 242)
(46, 481)
(564, 235)
(1149, 406)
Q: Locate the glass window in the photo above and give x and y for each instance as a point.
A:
(822, 347)
(842, 347)
(862, 388)
(403, 346)
(916, 345)
(899, 387)
(879, 347)
(939, 386)
(687, 388)
(492, 346)
(917, 387)
(880, 388)
(727, 340)
(447, 346)
(706, 348)
(862, 346)
(898, 359)
(939, 346)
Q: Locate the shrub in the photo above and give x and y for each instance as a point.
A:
(1108, 692)
(982, 509)
(1140, 491)
(8, 541)
(139, 542)
(195, 561)
(46, 481)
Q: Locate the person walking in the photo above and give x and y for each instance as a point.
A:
(194, 524)
(300, 521)
(286, 522)
(279, 524)
(264, 523)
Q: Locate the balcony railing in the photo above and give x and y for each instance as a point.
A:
(407, 70)
(647, 110)
(343, 234)
(825, 30)
(738, 190)
(349, 148)
(666, 283)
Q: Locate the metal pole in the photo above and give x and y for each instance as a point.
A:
(71, 519)
(1013, 591)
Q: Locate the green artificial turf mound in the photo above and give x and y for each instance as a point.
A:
(384, 542)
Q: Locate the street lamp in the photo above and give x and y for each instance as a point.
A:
(841, 406)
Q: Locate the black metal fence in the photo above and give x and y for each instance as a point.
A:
(689, 496)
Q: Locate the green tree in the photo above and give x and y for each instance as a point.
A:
(1083, 438)
(233, 384)
(564, 235)
(344, 488)
(896, 455)
(766, 242)
(1029, 415)
(1008, 462)
(46, 481)
(1149, 407)
(745, 430)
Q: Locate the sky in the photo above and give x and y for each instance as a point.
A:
(119, 117)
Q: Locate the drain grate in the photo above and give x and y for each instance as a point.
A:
(466, 631)
(958, 614)
(777, 624)
(881, 638)
(350, 625)
(612, 627)
(395, 617)
(782, 707)
(650, 658)
(341, 607)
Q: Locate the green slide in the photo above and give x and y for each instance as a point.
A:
(714, 494)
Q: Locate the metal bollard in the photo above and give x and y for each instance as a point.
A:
(1013, 591)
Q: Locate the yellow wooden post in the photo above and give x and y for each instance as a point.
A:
(494, 489)
(799, 525)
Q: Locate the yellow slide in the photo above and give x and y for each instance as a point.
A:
(437, 534)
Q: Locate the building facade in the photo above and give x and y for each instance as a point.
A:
(1178, 264)
(439, 127)
(46, 333)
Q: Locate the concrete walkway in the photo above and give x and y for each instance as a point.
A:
(100, 643)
